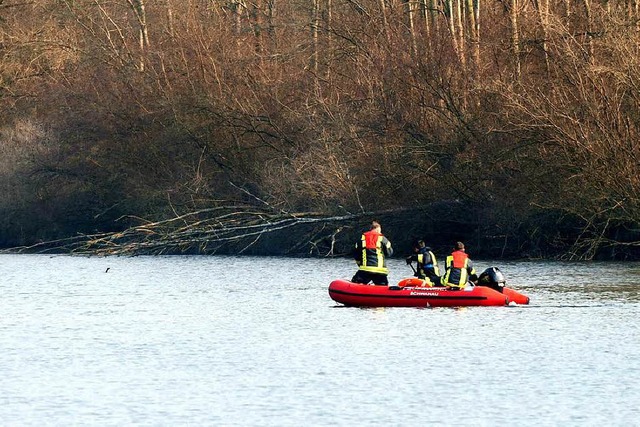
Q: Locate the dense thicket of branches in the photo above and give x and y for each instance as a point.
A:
(510, 124)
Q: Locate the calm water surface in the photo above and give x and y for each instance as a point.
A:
(243, 341)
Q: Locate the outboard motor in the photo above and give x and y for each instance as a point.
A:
(492, 278)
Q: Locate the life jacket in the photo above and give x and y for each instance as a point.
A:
(371, 252)
(459, 259)
(457, 272)
(428, 265)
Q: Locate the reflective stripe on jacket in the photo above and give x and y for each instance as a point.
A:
(372, 249)
(459, 267)
(427, 265)
(427, 261)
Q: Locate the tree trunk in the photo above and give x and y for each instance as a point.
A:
(385, 23)
(329, 32)
(435, 9)
(257, 25)
(236, 7)
(460, 31)
(515, 36)
(271, 27)
(315, 24)
(143, 34)
(589, 32)
(412, 29)
(542, 7)
(452, 27)
(473, 31)
(170, 19)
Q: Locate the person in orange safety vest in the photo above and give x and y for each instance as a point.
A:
(459, 268)
(370, 253)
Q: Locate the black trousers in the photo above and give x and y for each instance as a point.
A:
(367, 277)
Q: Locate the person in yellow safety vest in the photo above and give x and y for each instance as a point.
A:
(459, 268)
(427, 264)
(370, 252)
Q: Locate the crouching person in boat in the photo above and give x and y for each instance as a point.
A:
(370, 253)
(427, 264)
(459, 268)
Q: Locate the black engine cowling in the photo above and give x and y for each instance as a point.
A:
(493, 278)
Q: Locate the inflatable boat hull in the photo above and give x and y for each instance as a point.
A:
(407, 294)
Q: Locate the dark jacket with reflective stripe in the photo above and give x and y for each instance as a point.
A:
(427, 265)
(459, 268)
(370, 252)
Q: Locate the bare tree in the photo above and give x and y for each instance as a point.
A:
(542, 7)
(473, 17)
(515, 36)
(138, 8)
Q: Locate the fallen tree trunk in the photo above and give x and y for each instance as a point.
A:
(230, 229)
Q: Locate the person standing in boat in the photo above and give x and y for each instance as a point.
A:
(370, 253)
(427, 264)
(459, 268)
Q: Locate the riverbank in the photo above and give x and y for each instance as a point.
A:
(315, 235)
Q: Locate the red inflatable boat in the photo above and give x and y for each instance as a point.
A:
(410, 293)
